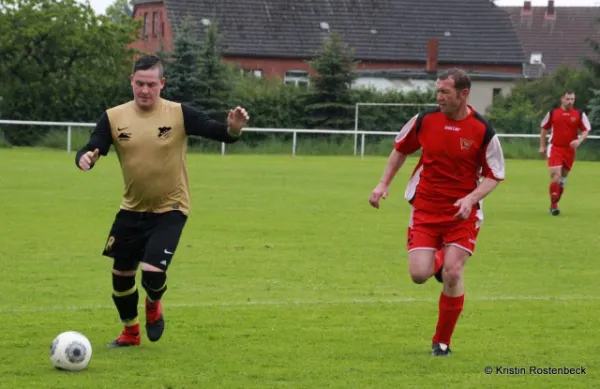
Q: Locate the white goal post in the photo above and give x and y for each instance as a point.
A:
(356, 114)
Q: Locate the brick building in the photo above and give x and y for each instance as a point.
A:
(400, 44)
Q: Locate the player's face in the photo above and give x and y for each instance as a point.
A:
(147, 85)
(568, 100)
(449, 98)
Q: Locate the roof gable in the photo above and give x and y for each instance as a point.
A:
(390, 30)
(560, 40)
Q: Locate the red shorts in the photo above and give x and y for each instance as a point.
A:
(427, 230)
(561, 157)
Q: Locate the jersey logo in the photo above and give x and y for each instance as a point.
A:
(573, 119)
(164, 132)
(465, 144)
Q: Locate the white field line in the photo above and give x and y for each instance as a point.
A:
(249, 304)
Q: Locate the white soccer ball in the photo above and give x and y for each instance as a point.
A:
(70, 350)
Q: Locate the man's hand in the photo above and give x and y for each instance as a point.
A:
(237, 119)
(88, 159)
(465, 206)
(380, 192)
(575, 144)
(542, 151)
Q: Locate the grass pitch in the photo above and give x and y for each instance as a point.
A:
(286, 278)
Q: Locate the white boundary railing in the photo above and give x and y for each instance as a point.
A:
(293, 131)
(356, 113)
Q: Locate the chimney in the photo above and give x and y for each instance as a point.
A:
(431, 65)
(526, 8)
(550, 11)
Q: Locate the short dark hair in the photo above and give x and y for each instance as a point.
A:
(146, 62)
(569, 91)
(460, 77)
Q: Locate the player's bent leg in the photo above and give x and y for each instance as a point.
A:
(563, 180)
(154, 281)
(160, 250)
(555, 176)
(421, 264)
(451, 300)
(125, 297)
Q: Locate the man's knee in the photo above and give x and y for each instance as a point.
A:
(454, 263)
(421, 265)
(154, 282)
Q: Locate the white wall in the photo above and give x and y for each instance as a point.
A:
(482, 92)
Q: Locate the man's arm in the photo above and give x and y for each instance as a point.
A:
(406, 143)
(492, 172)
(100, 139)
(585, 127)
(394, 163)
(545, 126)
(198, 123)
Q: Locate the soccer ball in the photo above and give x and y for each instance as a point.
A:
(70, 351)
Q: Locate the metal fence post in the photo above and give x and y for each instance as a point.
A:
(68, 139)
(294, 143)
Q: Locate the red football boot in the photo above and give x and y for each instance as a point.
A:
(129, 337)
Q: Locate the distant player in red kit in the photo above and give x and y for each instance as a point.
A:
(565, 122)
(460, 164)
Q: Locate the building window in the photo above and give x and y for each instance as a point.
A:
(255, 72)
(155, 23)
(146, 24)
(496, 92)
(162, 29)
(536, 58)
(296, 77)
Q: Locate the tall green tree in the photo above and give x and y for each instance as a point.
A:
(329, 105)
(213, 75)
(181, 65)
(594, 109)
(119, 10)
(59, 61)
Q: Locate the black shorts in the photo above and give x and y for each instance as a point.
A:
(137, 237)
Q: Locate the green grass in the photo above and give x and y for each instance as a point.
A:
(286, 278)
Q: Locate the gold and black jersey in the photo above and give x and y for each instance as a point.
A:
(151, 148)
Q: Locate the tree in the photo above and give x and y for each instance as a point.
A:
(594, 109)
(528, 101)
(59, 61)
(329, 105)
(181, 65)
(119, 10)
(213, 76)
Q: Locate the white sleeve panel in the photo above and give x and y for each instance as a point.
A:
(494, 158)
(587, 126)
(408, 127)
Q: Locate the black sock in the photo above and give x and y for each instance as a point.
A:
(125, 296)
(155, 284)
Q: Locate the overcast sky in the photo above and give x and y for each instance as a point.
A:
(100, 5)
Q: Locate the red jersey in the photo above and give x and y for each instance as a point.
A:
(455, 154)
(565, 125)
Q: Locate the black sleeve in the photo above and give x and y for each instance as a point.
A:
(100, 139)
(198, 123)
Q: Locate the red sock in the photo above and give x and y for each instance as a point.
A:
(450, 309)
(439, 260)
(554, 192)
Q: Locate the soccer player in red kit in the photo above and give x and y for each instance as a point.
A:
(461, 163)
(565, 122)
